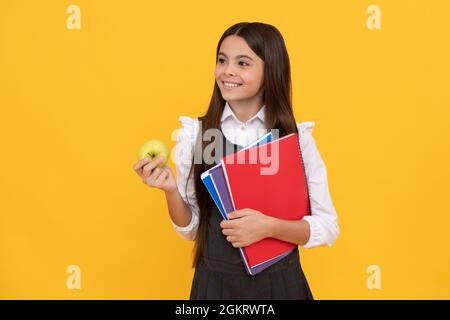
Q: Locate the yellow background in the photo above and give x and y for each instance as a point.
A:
(77, 104)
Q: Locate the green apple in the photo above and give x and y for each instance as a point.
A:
(152, 149)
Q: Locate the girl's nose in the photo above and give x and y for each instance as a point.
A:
(229, 71)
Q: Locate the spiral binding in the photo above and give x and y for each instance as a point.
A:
(304, 170)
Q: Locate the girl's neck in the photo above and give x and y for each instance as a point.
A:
(245, 110)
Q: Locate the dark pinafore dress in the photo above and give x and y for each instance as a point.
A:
(220, 273)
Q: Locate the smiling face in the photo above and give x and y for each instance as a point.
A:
(239, 71)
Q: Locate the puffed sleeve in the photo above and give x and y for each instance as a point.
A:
(323, 221)
(183, 161)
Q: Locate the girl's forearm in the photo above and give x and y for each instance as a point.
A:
(294, 231)
(179, 211)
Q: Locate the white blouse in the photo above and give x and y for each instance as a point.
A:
(323, 223)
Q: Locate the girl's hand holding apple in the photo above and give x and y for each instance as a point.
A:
(155, 176)
(152, 168)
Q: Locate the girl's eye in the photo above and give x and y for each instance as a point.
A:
(242, 63)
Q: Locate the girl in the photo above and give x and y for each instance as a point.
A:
(252, 94)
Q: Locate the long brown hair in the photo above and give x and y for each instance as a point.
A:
(267, 42)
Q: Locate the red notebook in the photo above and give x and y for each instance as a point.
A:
(269, 178)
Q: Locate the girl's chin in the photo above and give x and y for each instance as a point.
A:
(235, 94)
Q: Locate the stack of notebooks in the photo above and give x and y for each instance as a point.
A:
(277, 188)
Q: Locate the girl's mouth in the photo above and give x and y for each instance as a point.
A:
(229, 85)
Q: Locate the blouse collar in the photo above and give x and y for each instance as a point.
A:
(227, 112)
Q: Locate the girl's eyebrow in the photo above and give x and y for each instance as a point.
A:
(237, 57)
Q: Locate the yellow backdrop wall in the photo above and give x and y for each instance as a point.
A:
(76, 104)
